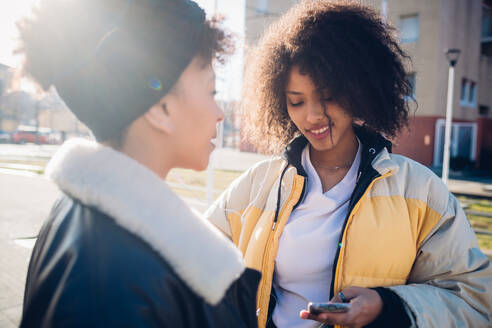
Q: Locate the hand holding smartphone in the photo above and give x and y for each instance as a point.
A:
(318, 308)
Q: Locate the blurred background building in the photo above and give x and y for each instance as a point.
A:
(26, 106)
(425, 28)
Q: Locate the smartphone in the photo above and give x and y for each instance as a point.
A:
(317, 308)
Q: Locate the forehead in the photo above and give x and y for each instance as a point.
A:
(199, 67)
(296, 81)
(196, 74)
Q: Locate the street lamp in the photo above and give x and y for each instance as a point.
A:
(384, 10)
(452, 55)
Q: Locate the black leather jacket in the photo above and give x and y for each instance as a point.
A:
(87, 271)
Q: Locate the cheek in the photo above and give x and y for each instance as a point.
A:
(346, 119)
(295, 116)
(338, 113)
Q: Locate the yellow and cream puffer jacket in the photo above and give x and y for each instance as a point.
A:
(404, 230)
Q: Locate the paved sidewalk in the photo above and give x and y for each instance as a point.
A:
(472, 188)
(24, 203)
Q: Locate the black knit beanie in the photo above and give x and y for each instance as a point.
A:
(142, 50)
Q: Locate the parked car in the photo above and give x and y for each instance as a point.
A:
(4, 137)
(25, 134)
(55, 138)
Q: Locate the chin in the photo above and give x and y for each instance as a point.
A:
(323, 145)
(201, 165)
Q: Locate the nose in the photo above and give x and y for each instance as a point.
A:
(315, 112)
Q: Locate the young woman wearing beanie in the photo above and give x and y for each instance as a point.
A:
(119, 247)
(338, 216)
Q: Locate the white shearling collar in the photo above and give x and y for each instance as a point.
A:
(140, 202)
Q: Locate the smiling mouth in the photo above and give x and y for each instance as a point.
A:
(319, 131)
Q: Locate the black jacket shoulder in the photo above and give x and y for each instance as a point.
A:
(86, 271)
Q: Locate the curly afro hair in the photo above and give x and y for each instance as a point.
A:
(345, 48)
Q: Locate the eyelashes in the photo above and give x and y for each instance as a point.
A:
(297, 104)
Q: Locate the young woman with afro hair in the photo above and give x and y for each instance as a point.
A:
(338, 217)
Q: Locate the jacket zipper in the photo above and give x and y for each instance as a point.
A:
(270, 237)
(373, 179)
(272, 232)
(353, 202)
(269, 318)
(277, 209)
(303, 193)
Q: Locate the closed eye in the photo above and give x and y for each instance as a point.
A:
(296, 104)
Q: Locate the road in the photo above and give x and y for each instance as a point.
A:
(25, 201)
(223, 158)
(27, 151)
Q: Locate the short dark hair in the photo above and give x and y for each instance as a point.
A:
(112, 60)
(345, 48)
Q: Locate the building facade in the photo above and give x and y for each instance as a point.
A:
(44, 110)
(425, 28)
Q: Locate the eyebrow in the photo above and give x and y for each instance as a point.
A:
(294, 92)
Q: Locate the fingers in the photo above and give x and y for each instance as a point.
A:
(327, 318)
(337, 299)
(344, 319)
(306, 315)
(365, 307)
(349, 293)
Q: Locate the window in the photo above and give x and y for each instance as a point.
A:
(483, 110)
(411, 80)
(463, 141)
(464, 91)
(486, 23)
(261, 6)
(472, 95)
(468, 97)
(409, 28)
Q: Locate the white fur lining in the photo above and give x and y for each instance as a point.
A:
(139, 201)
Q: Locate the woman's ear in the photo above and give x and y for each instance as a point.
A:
(158, 117)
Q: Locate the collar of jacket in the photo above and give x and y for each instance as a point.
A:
(142, 203)
(372, 145)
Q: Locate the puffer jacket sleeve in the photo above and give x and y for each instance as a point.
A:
(247, 192)
(220, 212)
(450, 284)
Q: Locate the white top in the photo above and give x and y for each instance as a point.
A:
(308, 244)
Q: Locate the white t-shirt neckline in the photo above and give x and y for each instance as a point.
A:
(308, 244)
(314, 181)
